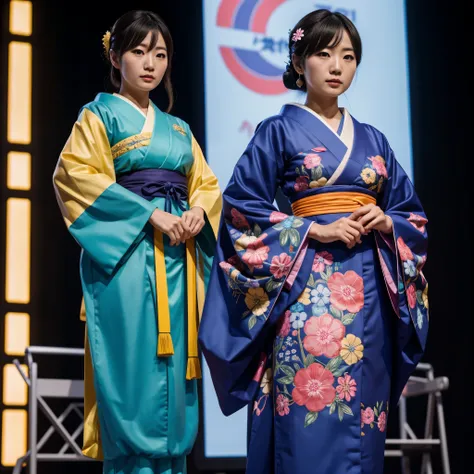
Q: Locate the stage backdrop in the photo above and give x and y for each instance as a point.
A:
(245, 55)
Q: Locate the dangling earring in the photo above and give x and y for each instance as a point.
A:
(299, 81)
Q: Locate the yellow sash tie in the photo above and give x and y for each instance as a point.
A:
(165, 341)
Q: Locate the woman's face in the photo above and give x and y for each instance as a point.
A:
(143, 69)
(329, 72)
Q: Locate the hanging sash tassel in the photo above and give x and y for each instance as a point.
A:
(193, 370)
(165, 342)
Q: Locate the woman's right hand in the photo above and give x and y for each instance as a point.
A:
(173, 226)
(344, 229)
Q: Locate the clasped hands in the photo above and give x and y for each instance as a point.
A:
(350, 229)
(178, 229)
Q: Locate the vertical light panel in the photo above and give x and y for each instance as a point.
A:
(17, 333)
(19, 171)
(14, 387)
(21, 18)
(18, 227)
(19, 93)
(17, 281)
(13, 436)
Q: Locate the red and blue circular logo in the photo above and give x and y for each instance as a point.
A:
(250, 67)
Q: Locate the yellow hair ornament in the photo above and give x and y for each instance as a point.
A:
(106, 42)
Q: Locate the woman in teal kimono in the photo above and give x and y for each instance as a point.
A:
(137, 195)
(315, 320)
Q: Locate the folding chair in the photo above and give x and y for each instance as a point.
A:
(409, 443)
(40, 390)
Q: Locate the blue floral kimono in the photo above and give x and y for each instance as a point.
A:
(318, 339)
(141, 295)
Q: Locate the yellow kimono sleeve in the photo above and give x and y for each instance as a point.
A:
(105, 218)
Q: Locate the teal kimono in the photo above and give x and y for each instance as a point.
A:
(141, 407)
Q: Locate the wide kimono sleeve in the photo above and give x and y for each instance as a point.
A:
(204, 192)
(105, 218)
(403, 255)
(257, 249)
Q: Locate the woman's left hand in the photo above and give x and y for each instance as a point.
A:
(194, 218)
(373, 218)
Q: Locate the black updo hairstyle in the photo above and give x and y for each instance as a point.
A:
(129, 31)
(322, 29)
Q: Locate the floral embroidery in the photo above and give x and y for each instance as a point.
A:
(267, 381)
(378, 164)
(352, 349)
(374, 173)
(304, 298)
(347, 387)
(311, 172)
(347, 291)
(313, 350)
(320, 296)
(418, 222)
(323, 335)
(276, 217)
(238, 220)
(424, 297)
(368, 175)
(261, 367)
(257, 301)
(411, 295)
(288, 232)
(404, 251)
(412, 267)
(282, 405)
(257, 253)
(265, 392)
(314, 387)
(372, 417)
(321, 259)
(280, 265)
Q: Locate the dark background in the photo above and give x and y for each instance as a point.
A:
(69, 70)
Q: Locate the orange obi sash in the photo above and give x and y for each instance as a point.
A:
(331, 203)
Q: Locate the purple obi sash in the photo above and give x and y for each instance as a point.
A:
(151, 183)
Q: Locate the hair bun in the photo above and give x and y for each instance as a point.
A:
(289, 79)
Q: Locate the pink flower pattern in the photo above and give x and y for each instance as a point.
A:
(256, 254)
(276, 217)
(418, 222)
(320, 261)
(301, 183)
(347, 387)
(313, 387)
(323, 335)
(238, 219)
(312, 160)
(282, 405)
(382, 421)
(378, 164)
(367, 416)
(411, 295)
(280, 265)
(298, 34)
(347, 291)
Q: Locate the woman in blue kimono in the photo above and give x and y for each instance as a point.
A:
(137, 195)
(316, 319)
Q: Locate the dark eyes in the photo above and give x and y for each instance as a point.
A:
(325, 54)
(140, 52)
